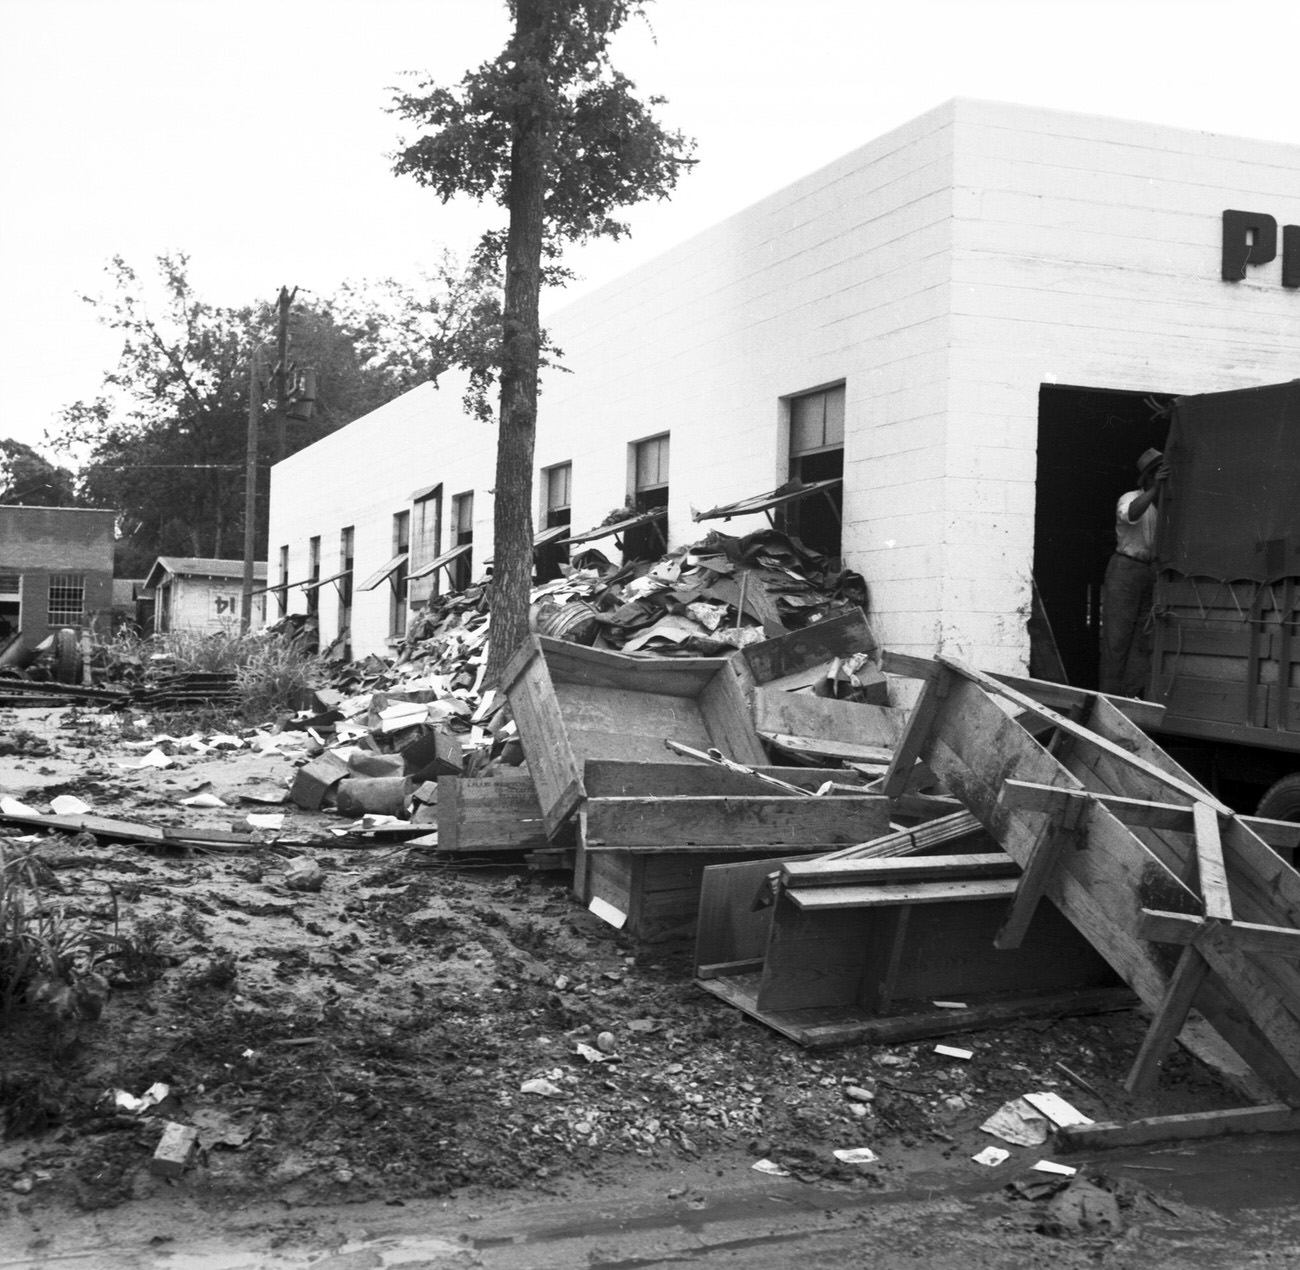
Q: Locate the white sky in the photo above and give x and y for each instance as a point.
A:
(252, 134)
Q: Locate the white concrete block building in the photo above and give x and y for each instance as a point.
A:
(966, 317)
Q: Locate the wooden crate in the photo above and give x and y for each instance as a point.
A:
(573, 703)
(489, 813)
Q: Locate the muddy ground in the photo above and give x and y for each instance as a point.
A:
(461, 1038)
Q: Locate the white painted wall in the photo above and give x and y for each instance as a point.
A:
(942, 272)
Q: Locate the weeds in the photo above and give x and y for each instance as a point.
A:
(48, 961)
(272, 673)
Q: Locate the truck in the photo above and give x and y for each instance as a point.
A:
(1226, 607)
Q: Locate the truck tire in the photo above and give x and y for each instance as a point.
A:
(1281, 800)
(67, 656)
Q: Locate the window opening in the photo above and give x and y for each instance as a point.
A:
(313, 575)
(557, 511)
(11, 605)
(282, 591)
(346, 560)
(817, 454)
(397, 579)
(649, 493)
(462, 532)
(426, 542)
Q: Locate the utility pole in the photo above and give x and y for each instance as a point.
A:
(282, 370)
(250, 487)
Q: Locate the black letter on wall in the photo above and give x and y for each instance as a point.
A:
(1291, 255)
(1239, 250)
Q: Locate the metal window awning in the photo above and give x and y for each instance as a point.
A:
(438, 561)
(553, 534)
(768, 502)
(334, 577)
(382, 575)
(621, 526)
(281, 586)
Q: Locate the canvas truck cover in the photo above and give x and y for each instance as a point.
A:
(1232, 507)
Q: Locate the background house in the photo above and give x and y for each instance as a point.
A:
(56, 569)
(197, 594)
(973, 319)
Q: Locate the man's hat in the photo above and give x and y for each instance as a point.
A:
(1148, 460)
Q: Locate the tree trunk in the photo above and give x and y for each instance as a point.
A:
(512, 515)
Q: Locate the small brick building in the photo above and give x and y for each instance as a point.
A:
(56, 569)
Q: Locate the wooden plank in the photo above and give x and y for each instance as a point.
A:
(911, 745)
(1080, 732)
(1059, 836)
(1180, 928)
(1186, 981)
(100, 826)
(1265, 888)
(730, 927)
(1274, 1117)
(708, 821)
(974, 748)
(823, 1027)
(1211, 874)
(952, 827)
(824, 719)
(604, 778)
(751, 966)
(828, 871)
(1145, 714)
(1140, 813)
(811, 646)
(728, 719)
(821, 898)
(845, 751)
(813, 959)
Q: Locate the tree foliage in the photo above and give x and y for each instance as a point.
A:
(165, 441)
(27, 477)
(552, 131)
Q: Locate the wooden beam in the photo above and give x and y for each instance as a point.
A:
(1209, 863)
(1274, 1117)
(1139, 813)
(1058, 838)
(917, 732)
(826, 871)
(1192, 792)
(1184, 984)
(1180, 928)
(1146, 714)
(827, 897)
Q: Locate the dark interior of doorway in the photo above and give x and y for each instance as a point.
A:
(1089, 440)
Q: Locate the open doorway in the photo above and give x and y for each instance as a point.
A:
(1089, 440)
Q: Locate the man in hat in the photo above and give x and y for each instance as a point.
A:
(1130, 577)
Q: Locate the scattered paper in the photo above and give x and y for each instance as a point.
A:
(266, 819)
(204, 800)
(950, 1005)
(68, 805)
(992, 1156)
(608, 913)
(12, 807)
(952, 1051)
(1050, 1166)
(591, 1054)
(1019, 1123)
(855, 1155)
(155, 758)
(542, 1087)
(1057, 1110)
(770, 1167)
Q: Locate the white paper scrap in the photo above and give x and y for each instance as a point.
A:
(856, 1155)
(1057, 1110)
(1017, 1122)
(992, 1156)
(950, 1005)
(155, 758)
(266, 820)
(770, 1167)
(608, 913)
(68, 805)
(12, 807)
(1051, 1166)
(952, 1051)
(204, 800)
